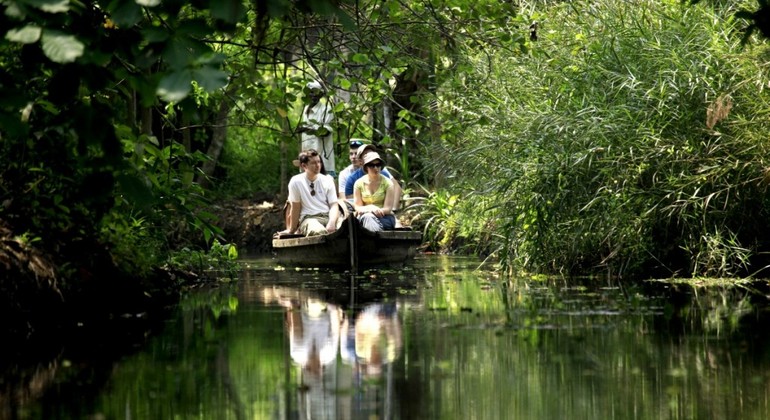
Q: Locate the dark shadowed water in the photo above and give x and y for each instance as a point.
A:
(442, 339)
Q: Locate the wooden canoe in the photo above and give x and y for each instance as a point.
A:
(351, 247)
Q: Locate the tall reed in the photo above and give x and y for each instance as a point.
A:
(630, 139)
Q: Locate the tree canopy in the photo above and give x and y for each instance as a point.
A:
(525, 125)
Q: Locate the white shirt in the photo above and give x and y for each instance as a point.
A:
(320, 203)
(320, 115)
(343, 178)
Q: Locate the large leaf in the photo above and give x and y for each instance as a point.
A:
(230, 11)
(181, 51)
(175, 86)
(51, 6)
(60, 47)
(26, 35)
(125, 13)
(210, 78)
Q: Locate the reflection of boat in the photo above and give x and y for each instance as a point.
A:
(351, 246)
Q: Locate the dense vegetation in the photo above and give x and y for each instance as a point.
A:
(625, 140)
(574, 137)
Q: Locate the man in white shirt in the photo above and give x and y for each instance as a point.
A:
(313, 208)
(316, 126)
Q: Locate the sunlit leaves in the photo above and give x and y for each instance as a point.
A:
(572, 123)
(51, 6)
(61, 48)
(26, 35)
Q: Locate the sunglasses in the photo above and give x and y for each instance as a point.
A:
(312, 189)
(373, 165)
(356, 143)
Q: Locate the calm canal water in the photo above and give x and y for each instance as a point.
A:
(442, 339)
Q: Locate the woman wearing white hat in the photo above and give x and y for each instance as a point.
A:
(371, 193)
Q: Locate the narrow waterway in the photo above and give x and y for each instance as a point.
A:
(444, 338)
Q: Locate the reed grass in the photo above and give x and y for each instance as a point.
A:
(631, 139)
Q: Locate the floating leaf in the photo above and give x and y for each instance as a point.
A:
(61, 48)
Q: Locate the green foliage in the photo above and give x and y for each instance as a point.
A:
(135, 246)
(218, 261)
(630, 140)
(446, 228)
(251, 164)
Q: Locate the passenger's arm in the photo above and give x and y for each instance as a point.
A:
(334, 215)
(295, 207)
(395, 202)
(386, 207)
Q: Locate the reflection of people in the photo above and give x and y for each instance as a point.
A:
(316, 126)
(314, 334)
(314, 328)
(377, 337)
(313, 208)
(373, 196)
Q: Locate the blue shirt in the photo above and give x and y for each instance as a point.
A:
(358, 173)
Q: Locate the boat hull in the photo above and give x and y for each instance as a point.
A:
(351, 246)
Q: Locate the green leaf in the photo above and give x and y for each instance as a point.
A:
(210, 78)
(175, 86)
(135, 190)
(14, 11)
(126, 13)
(229, 11)
(51, 6)
(61, 48)
(360, 58)
(232, 253)
(180, 51)
(153, 35)
(26, 35)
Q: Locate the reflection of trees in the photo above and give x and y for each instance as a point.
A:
(595, 348)
(24, 386)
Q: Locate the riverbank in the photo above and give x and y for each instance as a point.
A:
(249, 224)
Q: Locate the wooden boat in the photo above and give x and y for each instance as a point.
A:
(351, 246)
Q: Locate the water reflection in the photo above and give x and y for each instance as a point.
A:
(343, 358)
(440, 340)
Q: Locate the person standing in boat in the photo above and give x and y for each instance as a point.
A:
(313, 208)
(373, 195)
(316, 128)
